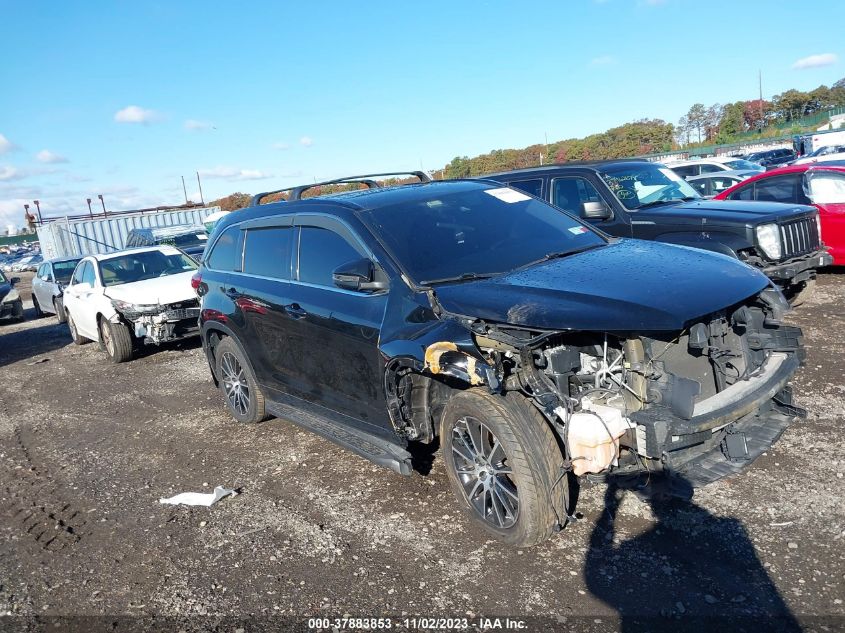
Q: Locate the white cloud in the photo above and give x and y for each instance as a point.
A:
(136, 114)
(232, 173)
(815, 61)
(6, 145)
(306, 141)
(7, 172)
(46, 156)
(603, 60)
(198, 126)
(281, 145)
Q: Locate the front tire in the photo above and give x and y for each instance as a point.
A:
(17, 310)
(244, 397)
(38, 311)
(116, 341)
(74, 333)
(504, 466)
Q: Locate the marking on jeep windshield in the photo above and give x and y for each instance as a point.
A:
(505, 194)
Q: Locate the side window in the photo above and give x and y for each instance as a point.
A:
(685, 171)
(267, 252)
(80, 272)
(571, 193)
(533, 186)
(780, 189)
(720, 184)
(710, 169)
(225, 254)
(88, 275)
(41, 271)
(743, 193)
(700, 186)
(320, 252)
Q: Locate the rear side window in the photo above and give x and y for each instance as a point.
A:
(267, 252)
(533, 186)
(700, 186)
(685, 171)
(320, 252)
(225, 254)
(707, 168)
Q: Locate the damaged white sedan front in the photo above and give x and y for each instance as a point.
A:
(132, 297)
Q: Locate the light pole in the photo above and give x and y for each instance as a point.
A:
(90, 212)
(103, 202)
(38, 206)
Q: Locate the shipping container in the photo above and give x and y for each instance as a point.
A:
(77, 237)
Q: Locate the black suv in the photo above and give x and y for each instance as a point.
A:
(772, 158)
(636, 198)
(533, 347)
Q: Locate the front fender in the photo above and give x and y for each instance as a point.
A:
(715, 241)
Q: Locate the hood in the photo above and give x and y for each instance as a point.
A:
(160, 290)
(631, 285)
(725, 212)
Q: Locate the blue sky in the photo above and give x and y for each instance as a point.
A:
(123, 98)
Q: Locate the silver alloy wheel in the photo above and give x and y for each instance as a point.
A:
(235, 383)
(484, 472)
(105, 334)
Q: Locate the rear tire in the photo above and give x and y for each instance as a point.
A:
(74, 334)
(116, 341)
(244, 397)
(59, 306)
(517, 492)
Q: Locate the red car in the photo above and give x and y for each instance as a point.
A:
(820, 185)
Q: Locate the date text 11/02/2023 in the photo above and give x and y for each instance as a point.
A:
(417, 623)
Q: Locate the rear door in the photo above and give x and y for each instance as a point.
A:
(335, 332)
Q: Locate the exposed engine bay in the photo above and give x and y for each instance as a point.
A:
(645, 401)
(157, 324)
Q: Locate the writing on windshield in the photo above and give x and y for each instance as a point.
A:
(643, 185)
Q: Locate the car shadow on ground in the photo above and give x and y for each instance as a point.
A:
(31, 342)
(689, 570)
(144, 350)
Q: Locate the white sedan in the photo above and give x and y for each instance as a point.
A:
(122, 298)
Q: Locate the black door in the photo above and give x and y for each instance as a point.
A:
(334, 333)
(572, 193)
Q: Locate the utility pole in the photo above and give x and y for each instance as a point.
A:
(185, 190)
(90, 212)
(37, 204)
(760, 80)
(103, 202)
(199, 184)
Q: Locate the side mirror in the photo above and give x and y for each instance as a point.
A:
(595, 211)
(15, 280)
(357, 275)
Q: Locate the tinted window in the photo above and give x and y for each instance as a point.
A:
(709, 169)
(63, 270)
(744, 193)
(685, 171)
(267, 252)
(225, 254)
(780, 189)
(570, 193)
(320, 252)
(534, 187)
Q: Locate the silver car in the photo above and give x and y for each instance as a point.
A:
(48, 286)
(708, 185)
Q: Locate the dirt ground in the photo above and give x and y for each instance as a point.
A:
(87, 448)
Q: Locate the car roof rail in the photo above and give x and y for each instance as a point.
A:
(364, 179)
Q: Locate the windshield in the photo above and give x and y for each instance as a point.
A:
(140, 266)
(740, 164)
(64, 270)
(640, 185)
(186, 240)
(475, 232)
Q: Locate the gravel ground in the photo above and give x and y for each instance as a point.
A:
(87, 448)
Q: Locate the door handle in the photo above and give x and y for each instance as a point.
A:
(295, 310)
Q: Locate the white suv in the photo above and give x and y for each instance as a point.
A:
(121, 298)
(696, 167)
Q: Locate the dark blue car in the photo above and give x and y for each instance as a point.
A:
(535, 349)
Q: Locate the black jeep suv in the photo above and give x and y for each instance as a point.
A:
(535, 348)
(635, 198)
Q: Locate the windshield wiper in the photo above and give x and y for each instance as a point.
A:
(559, 255)
(458, 278)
